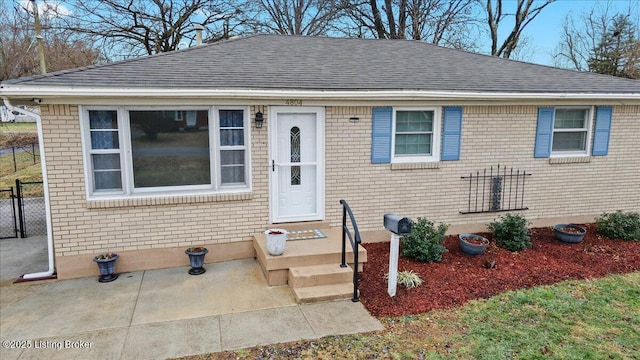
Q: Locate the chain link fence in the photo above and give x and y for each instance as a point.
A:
(22, 212)
(31, 208)
(8, 214)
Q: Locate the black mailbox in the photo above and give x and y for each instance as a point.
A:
(397, 224)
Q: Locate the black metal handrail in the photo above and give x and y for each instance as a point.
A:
(355, 245)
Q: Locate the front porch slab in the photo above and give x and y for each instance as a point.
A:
(304, 253)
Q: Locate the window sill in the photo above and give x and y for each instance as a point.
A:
(570, 160)
(415, 166)
(133, 201)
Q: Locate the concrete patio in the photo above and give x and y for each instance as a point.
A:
(164, 313)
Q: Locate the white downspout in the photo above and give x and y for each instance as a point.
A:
(45, 184)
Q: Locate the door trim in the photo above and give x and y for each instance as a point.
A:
(319, 111)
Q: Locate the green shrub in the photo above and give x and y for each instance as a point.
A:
(511, 232)
(425, 242)
(619, 225)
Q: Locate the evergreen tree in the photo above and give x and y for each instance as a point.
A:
(617, 52)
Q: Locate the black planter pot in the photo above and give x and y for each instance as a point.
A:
(472, 248)
(570, 237)
(196, 260)
(107, 268)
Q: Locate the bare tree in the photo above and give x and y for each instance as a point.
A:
(297, 17)
(444, 22)
(602, 41)
(18, 55)
(135, 27)
(526, 11)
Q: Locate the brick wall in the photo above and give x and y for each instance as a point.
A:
(81, 227)
(491, 135)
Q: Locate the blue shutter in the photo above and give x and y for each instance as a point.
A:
(451, 132)
(381, 136)
(603, 128)
(544, 132)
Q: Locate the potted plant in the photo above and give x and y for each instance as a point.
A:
(276, 241)
(107, 266)
(473, 244)
(196, 259)
(569, 233)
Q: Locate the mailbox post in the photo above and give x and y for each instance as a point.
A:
(399, 226)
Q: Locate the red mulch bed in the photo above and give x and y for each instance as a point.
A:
(459, 278)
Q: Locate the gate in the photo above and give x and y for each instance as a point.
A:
(32, 216)
(8, 215)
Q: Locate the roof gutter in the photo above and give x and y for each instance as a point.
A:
(45, 183)
(35, 92)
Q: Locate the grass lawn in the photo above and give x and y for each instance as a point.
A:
(590, 319)
(18, 127)
(27, 170)
(27, 174)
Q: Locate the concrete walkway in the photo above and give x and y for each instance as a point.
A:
(164, 313)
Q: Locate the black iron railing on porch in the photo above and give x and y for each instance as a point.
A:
(355, 245)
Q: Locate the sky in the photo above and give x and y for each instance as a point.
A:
(545, 31)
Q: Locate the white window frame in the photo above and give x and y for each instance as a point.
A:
(85, 129)
(246, 147)
(126, 161)
(435, 141)
(589, 127)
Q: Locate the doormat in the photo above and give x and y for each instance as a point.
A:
(306, 234)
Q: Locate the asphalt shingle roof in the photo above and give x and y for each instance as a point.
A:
(316, 63)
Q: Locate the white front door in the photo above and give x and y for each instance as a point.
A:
(297, 163)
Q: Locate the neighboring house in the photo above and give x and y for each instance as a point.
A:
(151, 155)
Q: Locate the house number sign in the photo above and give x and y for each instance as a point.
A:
(294, 102)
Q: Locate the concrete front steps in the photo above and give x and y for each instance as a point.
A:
(321, 282)
(311, 267)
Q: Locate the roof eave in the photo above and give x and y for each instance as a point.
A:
(43, 92)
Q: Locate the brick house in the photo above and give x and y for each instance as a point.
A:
(148, 156)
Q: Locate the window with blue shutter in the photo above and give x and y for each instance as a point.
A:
(381, 135)
(565, 131)
(544, 132)
(451, 133)
(602, 131)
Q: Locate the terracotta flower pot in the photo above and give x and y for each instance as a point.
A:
(276, 240)
(473, 244)
(569, 233)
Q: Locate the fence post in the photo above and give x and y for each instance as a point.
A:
(15, 164)
(20, 212)
(13, 213)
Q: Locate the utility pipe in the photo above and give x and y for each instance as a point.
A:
(45, 184)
